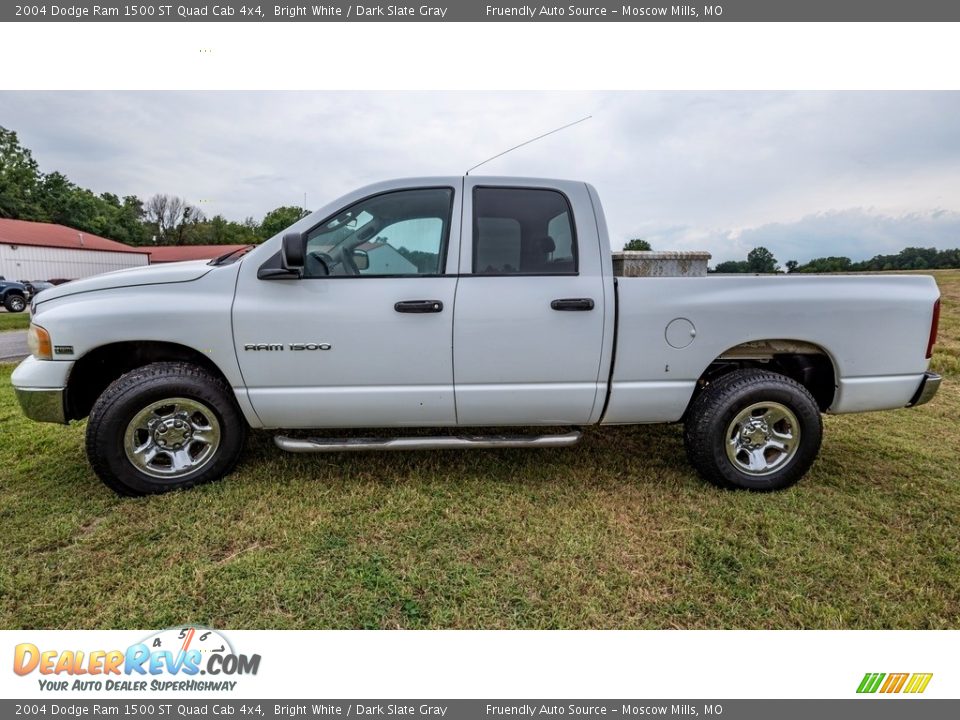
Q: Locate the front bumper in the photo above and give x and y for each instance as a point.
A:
(928, 388)
(42, 404)
(41, 386)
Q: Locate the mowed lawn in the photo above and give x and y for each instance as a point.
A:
(615, 533)
(14, 321)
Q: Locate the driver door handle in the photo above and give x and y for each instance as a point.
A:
(419, 306)
(574, 304)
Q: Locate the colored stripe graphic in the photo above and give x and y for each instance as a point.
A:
(870, 682)
(918, 683)
(894, 683)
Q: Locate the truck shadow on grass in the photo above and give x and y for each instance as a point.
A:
(609, 459)
(634, 454)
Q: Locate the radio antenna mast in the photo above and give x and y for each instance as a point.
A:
(527, 142)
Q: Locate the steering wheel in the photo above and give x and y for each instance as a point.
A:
(318, 264)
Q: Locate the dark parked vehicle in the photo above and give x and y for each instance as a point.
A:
(35, 286)
(13, 295)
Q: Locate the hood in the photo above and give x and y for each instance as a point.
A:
(147, 275)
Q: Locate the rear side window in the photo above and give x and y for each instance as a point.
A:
(522, 231)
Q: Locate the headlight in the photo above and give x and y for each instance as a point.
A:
(38, 340)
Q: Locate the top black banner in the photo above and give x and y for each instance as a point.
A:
(481, 11)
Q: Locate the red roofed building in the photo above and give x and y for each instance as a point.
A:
(176, 253)
(43, 251)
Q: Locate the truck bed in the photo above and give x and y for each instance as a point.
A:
(874, 329)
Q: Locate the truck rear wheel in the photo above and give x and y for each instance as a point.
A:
(165, 426)
(753, 430)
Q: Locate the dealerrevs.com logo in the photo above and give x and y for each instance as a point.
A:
(178, 659)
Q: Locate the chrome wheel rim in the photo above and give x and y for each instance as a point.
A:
(763, 438)
(18, 303)
(172, 438)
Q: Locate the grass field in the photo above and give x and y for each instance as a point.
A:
(615, 533)
(14, 321)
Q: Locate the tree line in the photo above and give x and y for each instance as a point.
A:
(761, 260)
(26, 193)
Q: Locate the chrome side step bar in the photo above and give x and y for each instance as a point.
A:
(460, 442)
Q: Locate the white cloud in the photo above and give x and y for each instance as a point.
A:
(860, 173)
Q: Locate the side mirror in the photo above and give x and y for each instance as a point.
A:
(361, 259)
(293, 253)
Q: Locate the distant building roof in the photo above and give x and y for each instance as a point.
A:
(176, 253)
(368, 246)
(26, 232)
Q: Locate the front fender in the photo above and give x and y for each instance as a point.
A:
(194, 314)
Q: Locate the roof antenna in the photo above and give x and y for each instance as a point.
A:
(527, 142)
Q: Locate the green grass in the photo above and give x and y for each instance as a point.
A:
(946, 359)
(615, 533)
(14, 321)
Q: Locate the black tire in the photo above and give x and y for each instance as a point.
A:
(15, 302)
(198, 400)
(732, 412)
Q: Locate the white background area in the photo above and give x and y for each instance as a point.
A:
(480, 56)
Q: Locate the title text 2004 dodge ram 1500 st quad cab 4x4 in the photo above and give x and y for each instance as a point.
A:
(461, 302)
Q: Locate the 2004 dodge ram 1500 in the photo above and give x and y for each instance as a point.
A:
(464, 302)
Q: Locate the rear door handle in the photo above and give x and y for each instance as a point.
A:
(572, 304)
(419, 306)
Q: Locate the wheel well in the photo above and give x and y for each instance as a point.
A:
(808, 364)
(93, 372)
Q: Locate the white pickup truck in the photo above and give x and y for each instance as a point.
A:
(464, 302)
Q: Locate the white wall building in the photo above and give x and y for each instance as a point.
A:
(44, 251)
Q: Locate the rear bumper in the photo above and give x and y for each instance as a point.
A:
(928, 388)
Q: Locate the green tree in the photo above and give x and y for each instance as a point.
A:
(130, 221)
(637, 244)
(761, 260)
(914, 258)
(220, 231)
(827, 265)
(57, 197)
(280, 219)
(949, 258)
(732, 266)
(188, 231)
(792, 265)
(19, 179)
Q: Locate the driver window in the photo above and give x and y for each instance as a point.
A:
(396, 233)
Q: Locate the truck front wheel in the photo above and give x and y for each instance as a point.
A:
(754, 430)
(165, 426)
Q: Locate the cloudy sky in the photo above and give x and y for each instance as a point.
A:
(805, 174)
